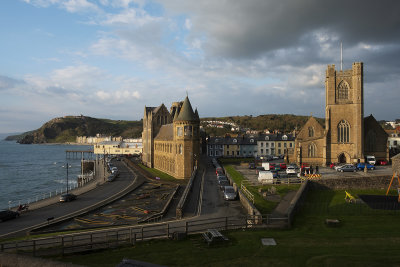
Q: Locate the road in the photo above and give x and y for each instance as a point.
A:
(31, 218)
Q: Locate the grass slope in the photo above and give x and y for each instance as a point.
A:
(364, 238)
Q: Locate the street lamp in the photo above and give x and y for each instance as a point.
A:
(67, 166)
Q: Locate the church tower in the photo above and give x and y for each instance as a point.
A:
(344, 124)
(187, 139)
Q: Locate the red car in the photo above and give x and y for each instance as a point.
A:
(381, 162)
(283, 166)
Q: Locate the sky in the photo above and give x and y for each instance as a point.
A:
(111, 58)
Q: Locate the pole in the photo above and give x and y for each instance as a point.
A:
(67, 177)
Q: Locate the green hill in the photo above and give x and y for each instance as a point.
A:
(66, 129)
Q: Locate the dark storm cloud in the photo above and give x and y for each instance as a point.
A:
(242, 29)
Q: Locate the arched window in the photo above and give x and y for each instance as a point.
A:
(312, 149)
(310, 131)
(251, 140)
(284, 137)
(343, 132)
(343, 90)
(267, 138)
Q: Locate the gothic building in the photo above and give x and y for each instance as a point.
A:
(171, 139)
(347, 137)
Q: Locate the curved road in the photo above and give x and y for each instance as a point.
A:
(104, 191)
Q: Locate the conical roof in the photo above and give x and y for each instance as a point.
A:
(196, 114)
(186, 113)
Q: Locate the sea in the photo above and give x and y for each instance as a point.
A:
(32, 172)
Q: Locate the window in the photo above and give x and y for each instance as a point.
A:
(180, 149)
(251, 140)
(312, 150)
(237, 152)
(272, 144)
(227, 153)
(266, 144)
(284, 145)
(343, 132)
(310, 132)
(279, 151)
(290, 144)
(235, 140)
(227, 146)
(262, 151)
(395, 143)
(188, 130)
(267, 138)
(179, 131)
(343, 90)
(261, 144)
(284, 137)
(279, 144)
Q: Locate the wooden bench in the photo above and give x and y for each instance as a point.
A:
(213, 235)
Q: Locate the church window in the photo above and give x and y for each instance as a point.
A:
(343, 90)
(343, 132)
(179, 131)
(312, 150)
(188, 130)
(310, 132)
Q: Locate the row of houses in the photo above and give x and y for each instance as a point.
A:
(250, 146)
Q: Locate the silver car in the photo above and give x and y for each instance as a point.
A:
(229, 193)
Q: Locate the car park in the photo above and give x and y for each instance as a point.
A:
(67, 197)
(229, 193)
(361, 166)
(8, 215)
(347, 168)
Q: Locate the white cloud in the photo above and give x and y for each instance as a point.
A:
(133, 17)
(79, 6)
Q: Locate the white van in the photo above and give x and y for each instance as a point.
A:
(266, 177)
(370, 159)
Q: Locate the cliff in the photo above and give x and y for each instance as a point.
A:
(66, 129)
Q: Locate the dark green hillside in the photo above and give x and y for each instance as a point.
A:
(66, 129)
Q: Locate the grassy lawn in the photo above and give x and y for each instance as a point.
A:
(261, 204)
(157, 173)
(362, 239)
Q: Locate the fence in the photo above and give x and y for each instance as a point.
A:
(39, 197)
(108, 238)
(248, 194)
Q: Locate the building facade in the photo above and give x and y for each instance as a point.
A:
(347, 137)
(171, 139)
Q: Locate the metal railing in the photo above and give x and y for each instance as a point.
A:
(248, 194)
(107, 238)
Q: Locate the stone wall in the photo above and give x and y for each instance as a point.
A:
(374, 182)
(396, 164)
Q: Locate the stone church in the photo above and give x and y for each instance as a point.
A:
(171, 139)
(347, 136)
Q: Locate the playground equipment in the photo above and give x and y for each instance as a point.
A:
(398, 185)
(349, 198)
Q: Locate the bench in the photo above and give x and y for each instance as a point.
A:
(213, 235)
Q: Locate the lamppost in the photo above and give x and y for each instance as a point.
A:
(67, 166)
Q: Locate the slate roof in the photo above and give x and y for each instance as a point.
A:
(166, 133)
(186, 113)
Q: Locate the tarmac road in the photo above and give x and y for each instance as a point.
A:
(31, 218)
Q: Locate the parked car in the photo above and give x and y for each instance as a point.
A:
(347, 168)
(381, 162)
(361, 166)
(8, 215)
(222, 178)
(283, 166)
(229, 193)
(111, 177)
(370, 159)
(290, 170)
(223, 183)
(259, 168)
(272, 166)
(67, 197)
(336, 167)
